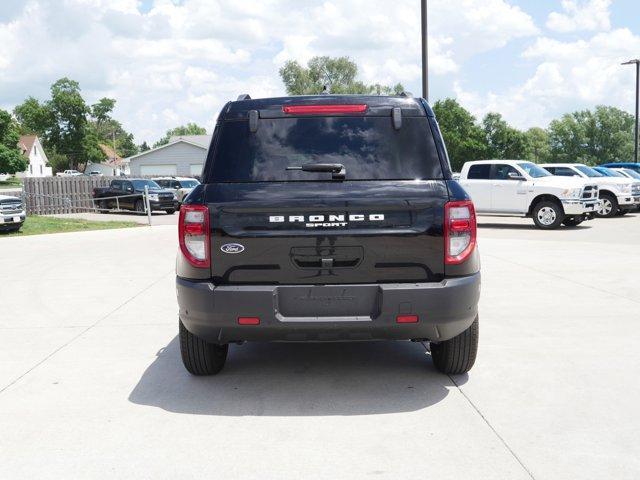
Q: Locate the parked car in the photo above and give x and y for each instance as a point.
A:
(627, 172)
(327, 218)
(68, 173)
(131, 191)
(622, 173)
(95, 173)
(630, 165)
(618, 195)
(521, 188)
(12, 213)
(181, 186)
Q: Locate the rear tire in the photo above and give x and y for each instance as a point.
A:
(572, 222)
(547, 215)
(457, 355)
(139, 206)
(609, 206)
(200, 357)
(171, 211)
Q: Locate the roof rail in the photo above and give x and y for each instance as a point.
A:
(244, 96)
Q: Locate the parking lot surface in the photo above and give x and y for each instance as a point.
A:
(91, 383)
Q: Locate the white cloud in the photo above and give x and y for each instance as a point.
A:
(569, 75)
(180, 61)
(586, 15)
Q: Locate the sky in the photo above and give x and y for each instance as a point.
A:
(170, 62)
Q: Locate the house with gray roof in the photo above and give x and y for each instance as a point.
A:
(182, 156)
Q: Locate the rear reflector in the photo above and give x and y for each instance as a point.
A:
(407, 319)
(248, 321)
(323, 109)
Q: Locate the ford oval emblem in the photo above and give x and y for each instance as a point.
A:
(232, 248)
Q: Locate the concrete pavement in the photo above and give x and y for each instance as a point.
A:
(91, 384)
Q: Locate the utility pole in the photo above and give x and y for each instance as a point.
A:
(425, 52)
(637, 64)
(113, 160)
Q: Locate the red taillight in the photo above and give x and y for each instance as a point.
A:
(323, 109)
(459, 231)
(407, 319)
(248, 321)
(194, 235)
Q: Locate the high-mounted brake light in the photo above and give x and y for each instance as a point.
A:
(194, 235)
(460, 231)
(323, 109)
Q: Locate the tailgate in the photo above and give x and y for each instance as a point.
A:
(327, 232)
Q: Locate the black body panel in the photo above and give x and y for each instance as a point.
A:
(405, 246)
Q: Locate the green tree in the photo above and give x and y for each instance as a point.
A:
(334, 75)
(11, 159)
(592, 137)
(34, 117)
(503, 141)
(143, 147)
(538, 149)
(72, 131)
(188, 129)
(464, 139)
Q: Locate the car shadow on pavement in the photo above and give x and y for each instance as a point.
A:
(290, 379)
(529, 226)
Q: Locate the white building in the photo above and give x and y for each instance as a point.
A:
(32, 149)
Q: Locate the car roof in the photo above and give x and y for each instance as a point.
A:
(620, 164)
(497, 160)
(563, 165)
(173, 178)
(240, 108)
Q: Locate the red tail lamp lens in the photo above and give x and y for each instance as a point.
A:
(407, 319)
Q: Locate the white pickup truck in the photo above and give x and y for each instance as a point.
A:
(618, 195)
(68, 173)
(523, 189)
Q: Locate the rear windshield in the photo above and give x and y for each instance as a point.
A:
(369, 148)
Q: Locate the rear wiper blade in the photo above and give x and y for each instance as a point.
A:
(336, 169)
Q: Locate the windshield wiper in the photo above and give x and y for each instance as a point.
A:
(336, 169)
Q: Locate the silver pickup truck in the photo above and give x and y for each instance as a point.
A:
(12, 214)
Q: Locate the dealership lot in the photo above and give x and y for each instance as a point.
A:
(91, 382)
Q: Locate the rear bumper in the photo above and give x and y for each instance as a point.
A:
(329, 312)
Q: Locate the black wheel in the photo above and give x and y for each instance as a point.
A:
(609, 206)
(171, 211)
(457, 355)
(103, 206)
(547, 215)
(200, 357)
(572, 221)
(139, 206)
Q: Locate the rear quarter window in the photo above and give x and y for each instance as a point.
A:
(479, 172)
(368, 147)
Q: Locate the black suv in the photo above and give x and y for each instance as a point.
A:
(327, 218)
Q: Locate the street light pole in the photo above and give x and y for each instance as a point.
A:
(425, 53)
(637, 64)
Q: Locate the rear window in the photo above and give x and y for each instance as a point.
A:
(368, 147)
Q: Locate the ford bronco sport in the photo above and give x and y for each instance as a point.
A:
(327, 218)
